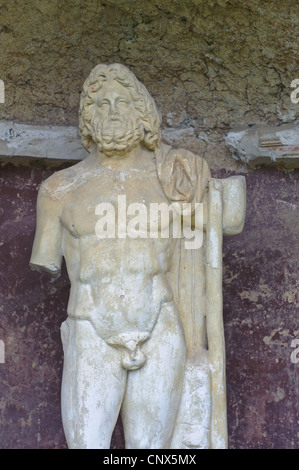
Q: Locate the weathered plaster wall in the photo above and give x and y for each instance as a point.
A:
(211, 66)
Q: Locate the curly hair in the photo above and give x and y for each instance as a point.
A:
(143, 102)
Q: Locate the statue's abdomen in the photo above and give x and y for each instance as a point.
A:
(121, 285)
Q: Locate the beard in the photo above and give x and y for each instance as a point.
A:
(117, 135)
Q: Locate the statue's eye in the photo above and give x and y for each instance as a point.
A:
(102, 104)
(122, 102)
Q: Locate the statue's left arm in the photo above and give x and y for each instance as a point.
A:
(183, 175)
(186, 178)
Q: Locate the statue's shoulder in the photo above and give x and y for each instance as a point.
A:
(62, 182)
(183, 174)
(166, 153)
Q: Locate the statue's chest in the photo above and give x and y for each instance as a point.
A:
(117, 196)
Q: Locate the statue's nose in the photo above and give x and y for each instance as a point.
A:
(112, 110)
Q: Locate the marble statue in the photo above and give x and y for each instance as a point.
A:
(144, 332)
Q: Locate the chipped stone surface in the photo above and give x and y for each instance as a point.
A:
(24, 141)
(266, 146)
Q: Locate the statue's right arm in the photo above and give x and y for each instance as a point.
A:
(47, 247)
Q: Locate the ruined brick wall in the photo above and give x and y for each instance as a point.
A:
(210, 65)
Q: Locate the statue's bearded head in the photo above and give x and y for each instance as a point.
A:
(116, 112)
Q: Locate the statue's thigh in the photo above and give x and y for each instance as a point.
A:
(92, 386)
(153, 391)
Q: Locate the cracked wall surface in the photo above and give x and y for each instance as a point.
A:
(211, 66)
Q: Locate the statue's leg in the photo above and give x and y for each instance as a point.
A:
(93, 385)
(153, 391)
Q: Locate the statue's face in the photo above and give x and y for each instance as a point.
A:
(116, 125)
(113, 99)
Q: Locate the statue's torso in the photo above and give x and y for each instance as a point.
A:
(118, 283)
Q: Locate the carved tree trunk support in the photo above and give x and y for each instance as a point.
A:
(202, 417)
(214, 308)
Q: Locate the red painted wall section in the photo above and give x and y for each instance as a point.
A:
(260, 318)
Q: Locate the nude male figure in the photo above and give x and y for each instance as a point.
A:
(124, 345)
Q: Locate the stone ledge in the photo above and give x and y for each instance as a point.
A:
(258, 146)
(24, 141)
(19, 142)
